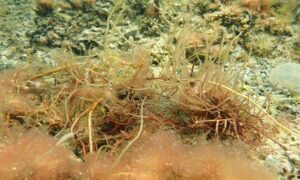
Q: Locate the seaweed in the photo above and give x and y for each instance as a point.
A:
(95, 106)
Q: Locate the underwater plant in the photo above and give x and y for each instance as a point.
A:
(45, 7)
(33, 155)
(259, 6)
(261, 44)
(107, 112)
(83, 4)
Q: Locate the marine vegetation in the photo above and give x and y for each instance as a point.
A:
(163, 98)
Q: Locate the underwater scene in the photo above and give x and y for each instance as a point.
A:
(150, 89)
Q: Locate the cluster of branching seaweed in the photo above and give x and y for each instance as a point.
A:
(97, 102)
(92, 101)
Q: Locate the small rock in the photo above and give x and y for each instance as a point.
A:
(287, 75)
(294, 157)
(279, 165)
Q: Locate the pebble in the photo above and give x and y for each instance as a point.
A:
(286, 75)
(280, 165)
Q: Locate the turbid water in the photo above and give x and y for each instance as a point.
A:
(146, 85)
